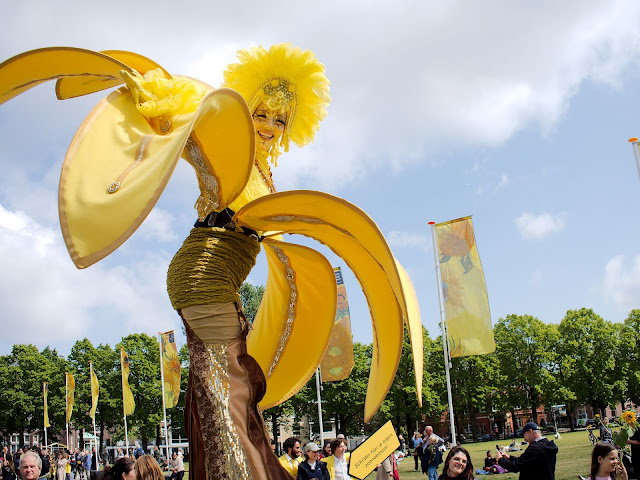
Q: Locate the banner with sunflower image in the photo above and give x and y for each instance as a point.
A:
(338, 361)
(466, 303)
(170, 369)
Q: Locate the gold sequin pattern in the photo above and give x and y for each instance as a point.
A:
(300, 218)
(209, 200)
(225, 457)
(291, 312)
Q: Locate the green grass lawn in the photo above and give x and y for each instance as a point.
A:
(574, 457)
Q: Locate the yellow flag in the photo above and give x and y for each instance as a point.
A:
(466, 304)
(71, 388)
(95, 390)
(128, 404)
(338, 361)
(170, 369)
(45, 392)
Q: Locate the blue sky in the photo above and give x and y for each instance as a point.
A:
(514, 112)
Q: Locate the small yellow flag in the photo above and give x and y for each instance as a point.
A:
(45, 391)
(170, 369)
(338, 361)
(128, 404)
(466, 304)
(71, 388)
(95, 390)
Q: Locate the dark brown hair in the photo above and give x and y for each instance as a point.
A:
(467, 474)
(122, 466)
(600, 450)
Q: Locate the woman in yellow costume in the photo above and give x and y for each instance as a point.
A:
(116, 168)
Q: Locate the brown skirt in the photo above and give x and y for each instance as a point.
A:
(226, 432)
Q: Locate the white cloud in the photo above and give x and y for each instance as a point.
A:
(158, 226)
(537, 227)
(504, 181)
(398, 239)
(621, 283)
(418, 88)
(49, 302)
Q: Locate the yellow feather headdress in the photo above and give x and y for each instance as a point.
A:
(294, 77)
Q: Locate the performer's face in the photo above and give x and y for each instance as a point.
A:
(270, 125)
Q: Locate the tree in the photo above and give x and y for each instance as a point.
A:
(588, 344)
(524, 348)
(251, 296)
(107, 369)
(629, 350)
(402, 394)
(144, 379)
(474, 381)
(81, 354)
(22, 373)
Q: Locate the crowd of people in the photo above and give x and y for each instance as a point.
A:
(79, 463)
(331, 462)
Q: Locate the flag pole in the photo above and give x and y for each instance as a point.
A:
(95, 434)
(318, 388)
(634, 145)
(443, 323)
(44, 392)
(164, 405)
(66, 404)
(126, 435)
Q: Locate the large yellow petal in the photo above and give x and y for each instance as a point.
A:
(293, 325)
(116, 146)
(414, 326)
(352, 235)
(70, 87)
(27, 70)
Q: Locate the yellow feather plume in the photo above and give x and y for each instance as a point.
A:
(258, 67)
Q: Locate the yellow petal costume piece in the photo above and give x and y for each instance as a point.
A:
(116, 168)
(29, 69)
(352, 235)
(299, 299)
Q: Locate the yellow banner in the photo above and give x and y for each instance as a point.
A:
(170, 369)
(95, 391)
(128, 404)
(71, 388)
(466, 304)
(373, 451)
(338, 361)
(45, 392)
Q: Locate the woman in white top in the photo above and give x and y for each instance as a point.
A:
(338, 463)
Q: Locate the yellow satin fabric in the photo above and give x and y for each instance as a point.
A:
(353, 236)
(291, 333)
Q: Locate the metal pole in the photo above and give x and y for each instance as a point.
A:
(318, 387)
(634, 145)
(44, 389)
(66, 405)
(443, 323)
(126, 435)
(164, 405)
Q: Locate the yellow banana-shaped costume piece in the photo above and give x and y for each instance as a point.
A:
(352, 235)
(119, 160)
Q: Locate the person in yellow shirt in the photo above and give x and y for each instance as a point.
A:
(292, 456)
(338, 463)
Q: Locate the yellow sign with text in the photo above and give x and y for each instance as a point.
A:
(373, 451)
